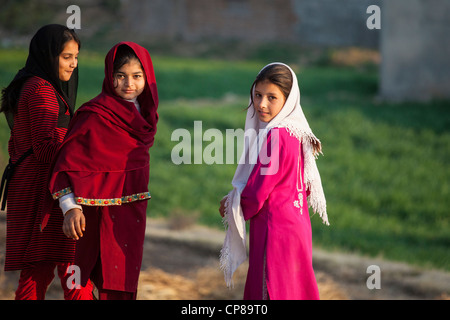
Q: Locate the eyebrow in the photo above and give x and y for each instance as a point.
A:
(268, 93)
(137, 72)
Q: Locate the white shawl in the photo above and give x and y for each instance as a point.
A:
(291, 117)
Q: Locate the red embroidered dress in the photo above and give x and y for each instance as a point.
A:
(104, 162)
(35, 125)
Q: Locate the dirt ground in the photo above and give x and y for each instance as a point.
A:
(182, 264)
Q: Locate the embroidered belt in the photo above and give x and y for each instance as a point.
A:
(103, 202)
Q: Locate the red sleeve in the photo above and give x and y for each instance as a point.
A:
(43, 108)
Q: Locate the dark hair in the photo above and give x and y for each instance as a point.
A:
(68, 35)
(49, 51)
(277, 74)
(124, 54)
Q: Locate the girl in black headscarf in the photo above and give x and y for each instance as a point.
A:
(38, 105)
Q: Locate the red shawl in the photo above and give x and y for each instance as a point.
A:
(104, 159)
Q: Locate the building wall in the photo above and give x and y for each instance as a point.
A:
(308, 22)
(415, 50)
(335, 23)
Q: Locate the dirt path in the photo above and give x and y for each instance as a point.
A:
(183, 264)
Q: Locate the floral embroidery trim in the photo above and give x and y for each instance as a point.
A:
(61, 193)
(104, 202)
(299, 203)
(113, 201)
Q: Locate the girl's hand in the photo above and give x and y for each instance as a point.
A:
(74, 224)
(222, 206)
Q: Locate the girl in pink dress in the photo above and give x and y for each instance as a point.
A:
(275, 182)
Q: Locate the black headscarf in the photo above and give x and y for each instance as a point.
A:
(43, 61)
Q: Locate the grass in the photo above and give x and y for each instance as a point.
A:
(384, 168)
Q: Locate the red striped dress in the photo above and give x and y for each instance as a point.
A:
(35, 125)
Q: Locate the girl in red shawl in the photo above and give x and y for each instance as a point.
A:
(101, 173)
(38, 105)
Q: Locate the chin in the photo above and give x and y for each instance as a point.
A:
(127, 97)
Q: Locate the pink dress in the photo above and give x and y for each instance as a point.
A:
(280, 254)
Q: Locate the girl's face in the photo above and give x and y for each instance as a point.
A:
(129, 80)
(268, 100)
(68, 60)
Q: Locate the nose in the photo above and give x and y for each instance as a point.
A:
(74, 63)
(262, 104)
(128, 82)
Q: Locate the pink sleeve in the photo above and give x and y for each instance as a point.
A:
(266, 175)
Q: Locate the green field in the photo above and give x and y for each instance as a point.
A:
(385, 166)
